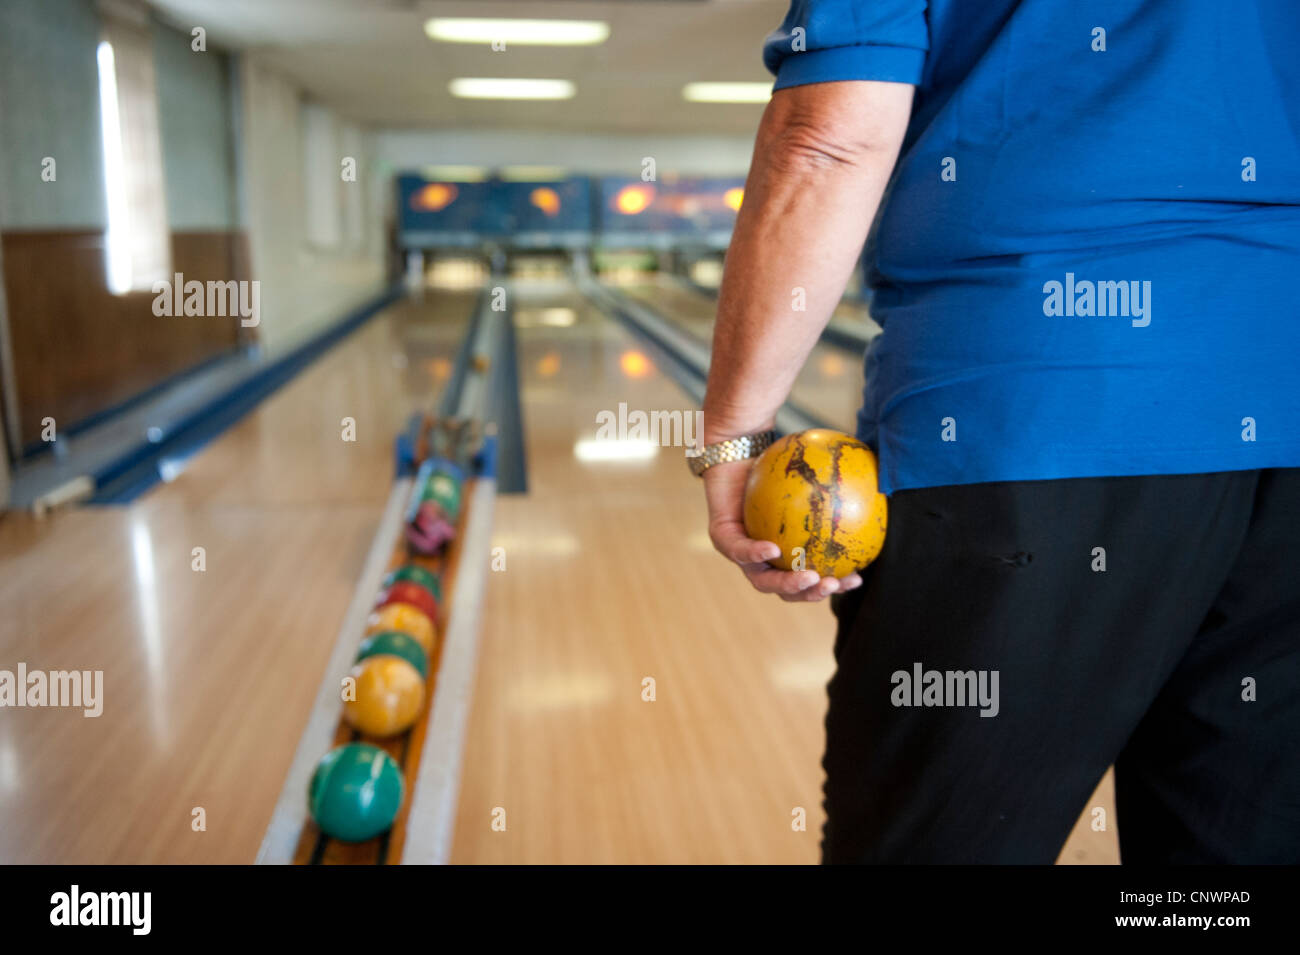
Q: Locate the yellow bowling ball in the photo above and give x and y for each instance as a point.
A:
(404, 618)
(817, 491)
(389, 694)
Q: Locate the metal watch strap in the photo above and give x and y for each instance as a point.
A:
(733, 449)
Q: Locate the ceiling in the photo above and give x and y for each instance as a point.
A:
(370, 59)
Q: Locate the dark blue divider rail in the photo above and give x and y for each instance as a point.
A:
(842, 339)
(138, 469)
(506, 409)
(680, 368)
(449, 401)
(667, 357)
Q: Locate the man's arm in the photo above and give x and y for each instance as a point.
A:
(823, 157)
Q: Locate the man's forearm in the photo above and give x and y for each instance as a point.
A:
(822, 159)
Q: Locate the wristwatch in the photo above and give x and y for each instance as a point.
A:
(733, 449)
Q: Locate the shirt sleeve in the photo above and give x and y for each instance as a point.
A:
(821, 41)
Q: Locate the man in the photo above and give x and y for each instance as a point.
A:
(1084, 402)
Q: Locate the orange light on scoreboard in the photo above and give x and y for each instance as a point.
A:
(548, 365)
(830, 365)
(546, 199)
(633, 200)
(686, 207)
(634, 364)
(434, 196)
(733, 198)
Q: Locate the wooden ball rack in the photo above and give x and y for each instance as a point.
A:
(429, 752)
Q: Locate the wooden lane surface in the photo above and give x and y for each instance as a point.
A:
(610, 579)
(208, 677)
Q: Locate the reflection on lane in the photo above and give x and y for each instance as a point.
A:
(579, 368)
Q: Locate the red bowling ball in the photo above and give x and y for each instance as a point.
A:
(429, 530)
(403, 591)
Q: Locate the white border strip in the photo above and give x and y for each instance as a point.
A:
(282, 835)
(431, 822)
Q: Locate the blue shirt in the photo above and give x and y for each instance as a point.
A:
(1088, 260)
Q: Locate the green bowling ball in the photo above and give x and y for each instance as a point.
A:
(414, 574)
(443, 487)
(355, 792)
(396, 644)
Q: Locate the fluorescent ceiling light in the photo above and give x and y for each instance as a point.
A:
(727, 92)
(498, 88)
(517, 32)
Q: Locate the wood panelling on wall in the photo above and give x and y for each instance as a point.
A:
(78, 349)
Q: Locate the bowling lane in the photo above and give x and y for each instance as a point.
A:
(830, 383)
(610, 581)
(211, 658)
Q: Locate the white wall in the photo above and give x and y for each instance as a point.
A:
(49, 106)
(357, 228)
(194, 122)
(323, 186)
(303, 287)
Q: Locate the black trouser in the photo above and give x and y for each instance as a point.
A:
(1150, 664)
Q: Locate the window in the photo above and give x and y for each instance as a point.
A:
(137, 243)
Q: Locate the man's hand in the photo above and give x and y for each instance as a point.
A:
(724, 487)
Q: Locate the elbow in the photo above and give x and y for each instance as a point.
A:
(810, 144)
(835, 126)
